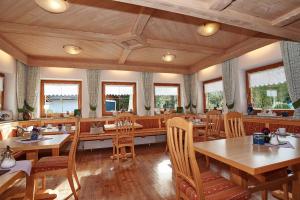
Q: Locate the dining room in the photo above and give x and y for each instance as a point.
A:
(139, 99)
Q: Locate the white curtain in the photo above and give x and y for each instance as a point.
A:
(21, 90)
(93, 79)
(32, 83)
(194, 92)
(291, 59)
(147, 81)
(187, 91)
(191, 92)
(229, 74)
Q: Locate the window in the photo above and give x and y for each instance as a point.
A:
(59, 97)
(166, 96)
(213, 94)
(118, 96)
(267, 88)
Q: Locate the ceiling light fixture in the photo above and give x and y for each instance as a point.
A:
(209, 29)
(168, 57)
(54, 6)
(72, 49)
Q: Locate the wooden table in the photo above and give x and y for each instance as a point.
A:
(241, 154)
(32, 149)
(113, 127)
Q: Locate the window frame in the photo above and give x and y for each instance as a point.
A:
(203, 90)
(248, 89)
(104, 83)
(168, 85)
(42, 96)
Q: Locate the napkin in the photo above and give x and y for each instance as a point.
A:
(21, 165)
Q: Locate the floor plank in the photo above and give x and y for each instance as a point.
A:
(149, 177)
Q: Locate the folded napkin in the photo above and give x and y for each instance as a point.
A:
(287, 144)
(22, 165)
(296, 135)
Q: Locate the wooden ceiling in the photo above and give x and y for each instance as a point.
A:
(135, 34)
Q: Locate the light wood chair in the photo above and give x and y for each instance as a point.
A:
(57, 166)
(124, 136)
(234, 126)
(167, 116)
(190, 183)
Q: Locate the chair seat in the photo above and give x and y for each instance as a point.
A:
(124, 140)
(50, 164)
(215, 187)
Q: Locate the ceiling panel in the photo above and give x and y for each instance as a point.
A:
(183, 29)
(50, 46)
(266, 9)
(95, 16)
(154, 55)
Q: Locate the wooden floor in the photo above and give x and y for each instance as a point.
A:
(150, 177)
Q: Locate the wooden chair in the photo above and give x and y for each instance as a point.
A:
(57, 166)
(190, 183)
(234, 126)
(124, 136)
(212, 128)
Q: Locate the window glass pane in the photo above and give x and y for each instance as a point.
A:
(214, 95)
(119, 98)
(269, 89)
(61, 98)
(166, 97)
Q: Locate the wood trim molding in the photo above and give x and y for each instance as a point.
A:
(201, 9)
(220, 5)
(169, 85)
(104, 83)
(184, 47)
(141, 21)
(287, 18)
(105, 65)
(258, 69)
(42, 96)
(124, 56)
(203, 90)
(12, 50)
(233, 52)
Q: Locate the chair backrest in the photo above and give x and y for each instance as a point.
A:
(213, 123)
(234, 126)
(73, 149)
(125, 125)
(180, 144)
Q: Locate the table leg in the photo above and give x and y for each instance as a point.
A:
(32, 155)
(55, 152)
(30, 188)
(296, 182)
(238, 177)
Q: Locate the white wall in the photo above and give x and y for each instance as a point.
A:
(8, 67)
(263, 56)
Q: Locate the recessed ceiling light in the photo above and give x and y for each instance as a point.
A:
(72, 49)
(168, 57)
(54, 6)
(208, 29)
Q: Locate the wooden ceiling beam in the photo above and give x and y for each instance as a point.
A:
(12, 50)
(183, 47)
(200, 9)
(220, 5)
(6, 27)
(287, 18)
(104, 65)
(233, 52)
(141, 21)
(124, 56)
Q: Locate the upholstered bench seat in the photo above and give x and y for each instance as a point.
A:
(215, 188)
